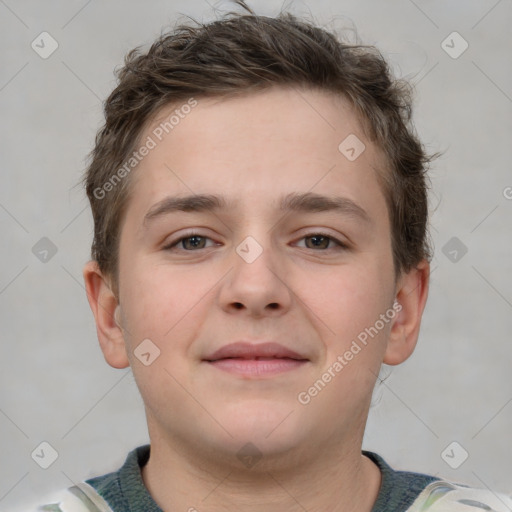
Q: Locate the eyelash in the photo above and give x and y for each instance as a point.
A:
(340, 245)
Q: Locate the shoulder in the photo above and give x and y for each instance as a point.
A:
(112, 491)
(444, 496)
(78, 498)
(405, 491)
(398, 489)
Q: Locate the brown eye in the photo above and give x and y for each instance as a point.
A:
(321, 242)
(193, 242)
(317, 242)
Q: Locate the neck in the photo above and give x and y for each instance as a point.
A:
(332, 480)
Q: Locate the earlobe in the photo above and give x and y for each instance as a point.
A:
(106, 311)
(412, 292)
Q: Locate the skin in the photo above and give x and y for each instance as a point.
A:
(315, 300)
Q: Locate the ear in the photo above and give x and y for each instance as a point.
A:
(105, 308)
(412, 292)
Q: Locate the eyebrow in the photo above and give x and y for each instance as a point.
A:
(308, 202)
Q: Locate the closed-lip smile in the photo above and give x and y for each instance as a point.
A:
(255, 359)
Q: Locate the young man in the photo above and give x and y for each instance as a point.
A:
(260, 209)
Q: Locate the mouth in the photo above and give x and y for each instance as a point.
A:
(255, 360)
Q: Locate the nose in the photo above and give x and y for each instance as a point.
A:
(256, 285)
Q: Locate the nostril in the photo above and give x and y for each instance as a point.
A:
(272, 305)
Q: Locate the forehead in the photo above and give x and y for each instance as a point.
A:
(255, 148)
(285, 119)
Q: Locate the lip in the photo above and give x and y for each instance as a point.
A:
(255, 359)
(245, 350)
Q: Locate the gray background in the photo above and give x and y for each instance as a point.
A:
(54, 383)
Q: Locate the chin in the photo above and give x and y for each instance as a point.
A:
(271, 427)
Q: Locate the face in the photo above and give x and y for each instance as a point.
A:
(262, 312)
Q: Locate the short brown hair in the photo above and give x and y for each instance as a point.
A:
(241, 53)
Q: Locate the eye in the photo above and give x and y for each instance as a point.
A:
(190, 242)
(322, 241)
(195, 241)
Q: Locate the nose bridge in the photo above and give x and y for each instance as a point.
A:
(255, 284)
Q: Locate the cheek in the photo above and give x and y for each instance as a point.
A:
(160, 306)
(347, 299)
(349, 311)
(153, 300)
(168, 305)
